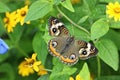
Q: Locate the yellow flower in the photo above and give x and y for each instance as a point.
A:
(10, 21)
(33, 62)
(75, 1)
(71, 78)
(30, 65)
(42, 70)
(77, 78)
(21, 14)
(25, 69)
(113, 10)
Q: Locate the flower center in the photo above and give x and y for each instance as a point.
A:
(117, 10)
(23, 13)
(31, 63)
(6, 20)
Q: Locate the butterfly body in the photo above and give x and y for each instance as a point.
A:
(66, 47)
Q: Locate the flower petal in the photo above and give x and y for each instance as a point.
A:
(113, 10)
(71, 78)
(78, 77)
(36, 68)
(42, 70)
(36, 65)
(34, 56)
(24, 69)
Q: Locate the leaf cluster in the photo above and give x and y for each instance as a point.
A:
(86, 20)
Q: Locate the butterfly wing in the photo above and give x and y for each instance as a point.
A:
(56, 45)
(63, 48)
(70, 55)
(57, 28)
(78, 49)
(85, 50)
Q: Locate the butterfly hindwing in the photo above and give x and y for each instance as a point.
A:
(85, 49)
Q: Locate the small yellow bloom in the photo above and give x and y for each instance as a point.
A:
(42, 70)
(77, 78)
(10, 21)
(21, 14)
(33, 62)
(71, 78)
(75, 1)
(25, 69)
(113, 10)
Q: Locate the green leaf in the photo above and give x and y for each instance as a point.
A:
(98, 12)
(86, 7)
(98, 29)
(26, 43)
(7, 72)
(3, 8)
(107, 1)
(55, 72)
(46, 36)
(83, 19)
(116, 39)
(84, 73)
(79, 34)
(57, 2)
(60, 77)
(2, 29)
(16, 34)
(40, 47)
(61, 72)
(56, 61)
(67, 4)
(38, 10)
(108, 53)
(116, 77)
(44, 77)
(68, 70)
(115, 25)
(3, 57)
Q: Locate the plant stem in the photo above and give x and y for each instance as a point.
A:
(99, 66)
(72, 21)
(47, 70)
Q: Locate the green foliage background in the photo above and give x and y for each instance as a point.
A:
(96, 27)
